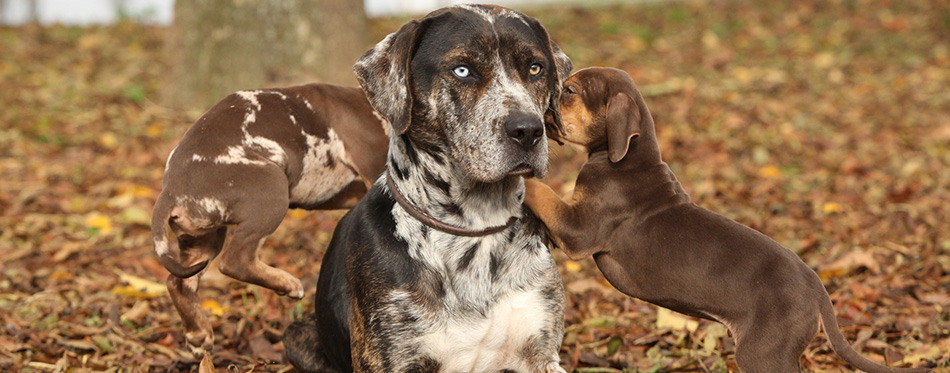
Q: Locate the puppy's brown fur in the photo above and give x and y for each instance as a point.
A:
(230, 181)
(629, 212)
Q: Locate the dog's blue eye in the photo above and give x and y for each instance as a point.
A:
(461, 71)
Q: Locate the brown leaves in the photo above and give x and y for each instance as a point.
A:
(82, 150)
(823, 127)
(848, 263)
(206, 365)
(137, 287)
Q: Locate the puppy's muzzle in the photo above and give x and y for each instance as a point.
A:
(524, 129)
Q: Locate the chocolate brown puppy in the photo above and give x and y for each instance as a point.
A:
(241, 166)
(629, 212)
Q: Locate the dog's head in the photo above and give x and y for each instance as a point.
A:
(475, 80)
(602, 109)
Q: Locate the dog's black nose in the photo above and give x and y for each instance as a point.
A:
(524, 129)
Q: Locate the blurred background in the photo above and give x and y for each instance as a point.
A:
(824, 124)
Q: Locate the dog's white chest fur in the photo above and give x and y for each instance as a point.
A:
(484, 344)
(493, 303)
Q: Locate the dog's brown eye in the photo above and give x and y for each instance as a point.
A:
(535, 69)
(569, 91)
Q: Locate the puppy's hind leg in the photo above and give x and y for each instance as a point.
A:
(184, 292)
(239, 258)
(773, 345)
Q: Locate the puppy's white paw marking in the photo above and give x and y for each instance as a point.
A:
(298, 292)
(199, 342)
(197, 351)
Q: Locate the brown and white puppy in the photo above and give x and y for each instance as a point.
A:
(629, 212)
(465, 89)
(241, 166)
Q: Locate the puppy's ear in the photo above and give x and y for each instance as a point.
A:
(383, 72)
(623, 124)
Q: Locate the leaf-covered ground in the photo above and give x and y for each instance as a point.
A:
(824, 124)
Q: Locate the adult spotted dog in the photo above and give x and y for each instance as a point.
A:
(440, 267)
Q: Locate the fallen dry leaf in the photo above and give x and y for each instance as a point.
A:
(849, 262)
(924, 353)
(673, 320)
(137, 312)
(213, 306)
(206, 365)
(137, 287)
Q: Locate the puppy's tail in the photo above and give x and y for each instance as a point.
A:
(841, 346)
(302, 346)
(161, 217)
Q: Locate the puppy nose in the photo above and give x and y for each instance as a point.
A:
(524, 129)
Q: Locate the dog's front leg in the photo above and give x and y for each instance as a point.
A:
(564, 223)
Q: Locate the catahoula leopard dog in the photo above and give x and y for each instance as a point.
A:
(629, 212)
(237, 171)
(441, 267)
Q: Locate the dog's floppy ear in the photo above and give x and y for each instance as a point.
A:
(561, 61)
(383, 72)
(563, 67)
(623, 124)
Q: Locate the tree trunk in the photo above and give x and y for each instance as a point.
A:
(34, 12)
(221, 46)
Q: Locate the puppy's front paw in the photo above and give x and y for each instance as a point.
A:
(200, 342)
(284, 283)
(297, 292)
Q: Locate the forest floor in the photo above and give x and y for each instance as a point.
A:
(823, 124)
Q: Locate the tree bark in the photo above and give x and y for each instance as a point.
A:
(220, 46)
(34, 12)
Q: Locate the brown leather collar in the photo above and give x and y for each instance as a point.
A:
(432, 222)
